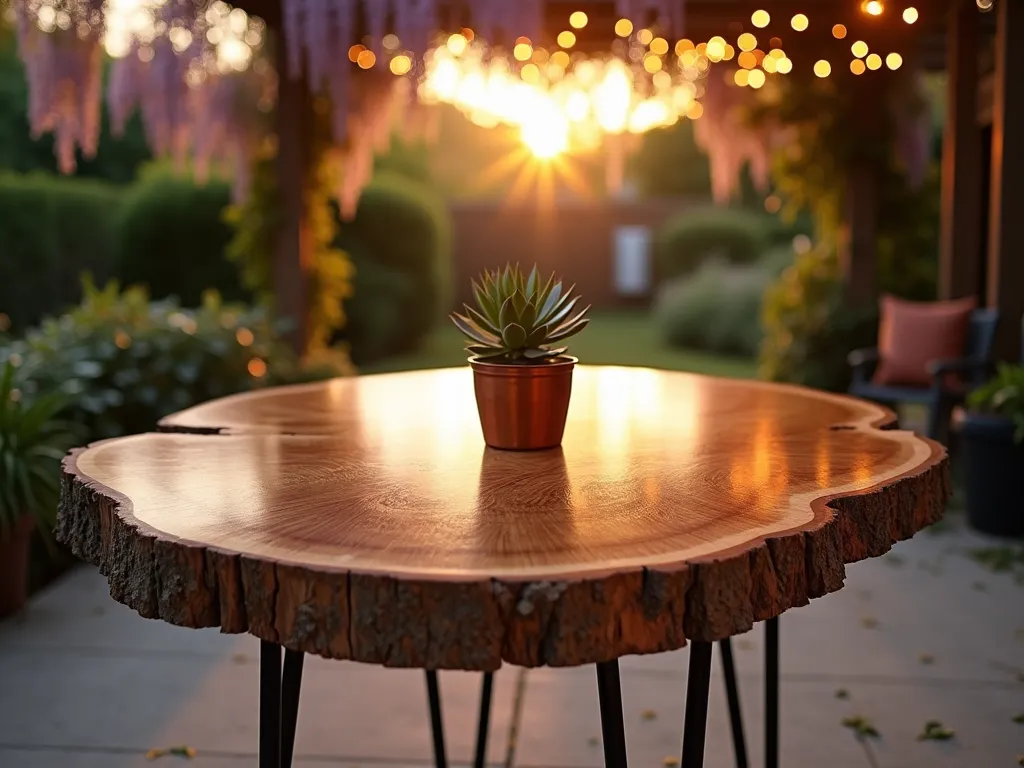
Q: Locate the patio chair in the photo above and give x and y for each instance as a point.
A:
(951, 379)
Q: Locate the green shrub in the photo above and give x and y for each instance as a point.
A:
(735, 235)
(125, 362)
(808, 329)
(716, 309)
(51, 230)
(171, 238)
(400, 244)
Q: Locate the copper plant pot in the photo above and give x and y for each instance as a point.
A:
(523, 407)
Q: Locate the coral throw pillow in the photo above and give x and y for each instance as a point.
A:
(912, 334)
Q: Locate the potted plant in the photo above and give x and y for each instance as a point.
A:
(32, 444)
(993, 439)
(522, 382)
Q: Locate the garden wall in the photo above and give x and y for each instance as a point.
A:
(575, 239)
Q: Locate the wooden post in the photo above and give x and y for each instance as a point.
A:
(859, 240)
(1006, 198)
(293, 248)
(960, 259)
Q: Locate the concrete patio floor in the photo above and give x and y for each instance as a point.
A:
(925, 633)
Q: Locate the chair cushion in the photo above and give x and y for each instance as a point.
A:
(911, 334)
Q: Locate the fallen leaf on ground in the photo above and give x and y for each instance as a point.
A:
(842, 693)
(182, 751)
(670, 762)
(869, 622)
(926, 658)
(935, 731)
(861, 726)
(1019, 718)
(648, 714)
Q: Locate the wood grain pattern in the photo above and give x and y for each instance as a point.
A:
(364, 519)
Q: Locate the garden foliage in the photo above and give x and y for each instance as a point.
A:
(123, 361)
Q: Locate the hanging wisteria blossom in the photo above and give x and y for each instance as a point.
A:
(728, 141)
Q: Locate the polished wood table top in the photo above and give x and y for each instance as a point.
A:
(363, 518)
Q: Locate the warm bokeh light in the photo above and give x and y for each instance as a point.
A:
(577, 19)
(457, 44)
(623, 27)
(874, 61)
(822, 68)
(799, 22)
(747, 60)
(859, 49)
(858, 67)
(715, 50)
(390, 42)
(522, 51)
(682, 46)
(894, 61)
(756, 78)
(746, 42)
(873, 7)
(910, 15)
(741, 77)
(659, 45)
(839, 31)
(644, 36)
(760, 19)
(566, 39)
(652, 63)
(354, 51)
(366, 59)
(784, 66)
(257, 368)
(401, 64)
(244, 337)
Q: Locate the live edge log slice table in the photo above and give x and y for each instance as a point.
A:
(364, 519)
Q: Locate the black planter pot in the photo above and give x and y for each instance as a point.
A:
(994, 469)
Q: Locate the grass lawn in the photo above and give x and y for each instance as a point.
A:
(612, 338)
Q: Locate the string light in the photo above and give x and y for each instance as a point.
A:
(873, 7)
(985, 5)
(822, 68)
(522, 51)
(577, 19)
(859, 49)
(401, 64)
(644, 36)
(623, 27)
(857, 66)
(784, 66)
(741, 77)
(659, 45)
(894, 61)
(799, 22)
(874, 61)
(746, 42)
(760, 19)
(838, 31)
(756, 78)
(910, 15)
(566, 39)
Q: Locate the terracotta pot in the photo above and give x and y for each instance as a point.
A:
(14, 566)
(523, 407)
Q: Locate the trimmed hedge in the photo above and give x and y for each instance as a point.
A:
(733, 235)
(171, 238)
(400, 245)
(52, 229)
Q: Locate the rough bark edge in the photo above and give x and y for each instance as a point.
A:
(477, 625)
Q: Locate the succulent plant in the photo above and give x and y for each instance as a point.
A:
(518, 317)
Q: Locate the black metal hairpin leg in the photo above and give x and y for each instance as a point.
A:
(291, 684)
(771, 695)
(480, 758)
(695, 720)
(436, 723)
(732, 695)
(270, 705)
(613, 729)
